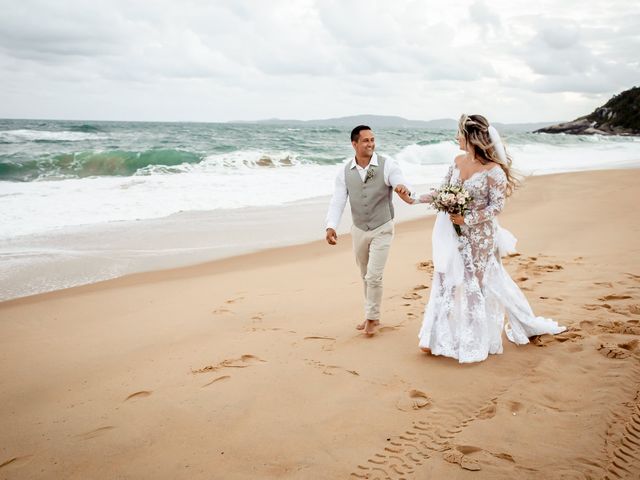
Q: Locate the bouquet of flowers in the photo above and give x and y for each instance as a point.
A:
(453, 199)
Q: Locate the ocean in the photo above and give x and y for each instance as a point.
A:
(83, 201)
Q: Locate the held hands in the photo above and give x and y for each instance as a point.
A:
(332, 236)
(456, 219)
(404, 193)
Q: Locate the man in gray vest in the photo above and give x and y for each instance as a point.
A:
(368, 181)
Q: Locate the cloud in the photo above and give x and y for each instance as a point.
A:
(484, 16)
(244, 59)
(50, 31)
(566, 56)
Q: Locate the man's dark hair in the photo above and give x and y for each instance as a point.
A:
(355, 133)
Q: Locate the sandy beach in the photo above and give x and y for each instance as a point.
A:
(250, 367)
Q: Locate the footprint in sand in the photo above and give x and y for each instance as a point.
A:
(215, 380)
(388, 328)
(572, 334)
(614, 297)
(630, 327)
(550, 268)
(140, 394)
(243, 362)
(16, 461)
(220, 311)
(515, 407)
(558, 299)
(631, 345)
(328, 343)
(597, 306)
(620, 350)
(426, 266)
(412, 296)
(620, 310)
(233, 300)
(256, 325)
(459, 455)
(421, 287)
(329, 369)
(263, 329)
(459, 458)
(503, 456)
(488, 411)
(249, 359)
(413, 400)
(96, 433)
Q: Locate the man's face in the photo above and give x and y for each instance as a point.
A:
(365, 145)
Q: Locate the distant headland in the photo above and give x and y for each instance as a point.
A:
(619, 116)
(390, 121)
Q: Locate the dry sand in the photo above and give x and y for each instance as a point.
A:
(250, 367)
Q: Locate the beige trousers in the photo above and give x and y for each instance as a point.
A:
(371, 249)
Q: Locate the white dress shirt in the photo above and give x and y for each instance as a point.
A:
(392, 178)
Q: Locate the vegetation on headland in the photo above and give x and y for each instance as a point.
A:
(619, 116)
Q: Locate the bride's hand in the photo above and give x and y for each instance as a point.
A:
(457, 219)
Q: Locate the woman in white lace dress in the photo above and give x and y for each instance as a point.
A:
(471, 291)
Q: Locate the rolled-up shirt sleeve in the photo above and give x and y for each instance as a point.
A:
(393, 175)
(338, 200)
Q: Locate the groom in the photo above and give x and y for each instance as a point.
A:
(368, 181)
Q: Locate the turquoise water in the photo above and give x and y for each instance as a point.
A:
(56, 174)
(36, 150)
(41, 150)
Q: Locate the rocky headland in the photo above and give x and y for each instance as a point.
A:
(619, 116)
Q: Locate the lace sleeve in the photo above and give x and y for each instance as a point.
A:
(497, 183)
(428, 197)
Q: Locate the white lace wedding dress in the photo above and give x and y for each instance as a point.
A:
(471, 290)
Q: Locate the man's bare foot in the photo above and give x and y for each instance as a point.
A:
(361, 326)
(370, 326)
(425, 350)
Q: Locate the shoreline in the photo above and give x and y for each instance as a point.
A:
(250, 366)
(183, 240)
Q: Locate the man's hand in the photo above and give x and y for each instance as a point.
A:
(402, 190)
(404, 193)
(332, 236)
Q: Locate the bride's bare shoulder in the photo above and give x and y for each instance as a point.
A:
(458, 159)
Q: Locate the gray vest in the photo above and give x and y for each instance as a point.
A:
(370, 201)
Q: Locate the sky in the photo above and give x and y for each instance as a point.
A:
(224, 60)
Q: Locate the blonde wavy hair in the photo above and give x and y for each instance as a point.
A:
(475, 131)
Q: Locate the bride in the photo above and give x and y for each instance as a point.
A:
(471, 290)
